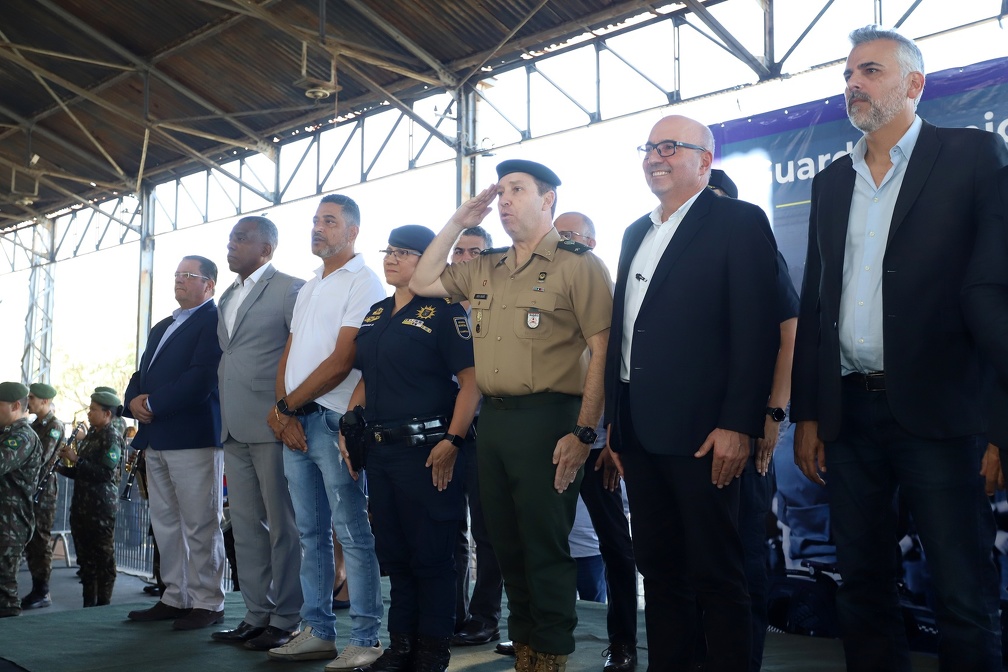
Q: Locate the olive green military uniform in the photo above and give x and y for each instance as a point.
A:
(39, 548)
(20, 460)
(529, 327)
(93, 511)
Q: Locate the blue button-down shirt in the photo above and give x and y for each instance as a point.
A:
(861, 312)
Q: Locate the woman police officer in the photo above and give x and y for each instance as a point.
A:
(408, 349)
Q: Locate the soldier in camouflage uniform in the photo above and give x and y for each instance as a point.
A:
(118, 422)
(96, 498)
(39, 549)
(20, 459)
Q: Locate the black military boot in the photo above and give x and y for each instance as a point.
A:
(398, 657)
(104, 593)
(90, 593)
(433, 654)
(38, 597)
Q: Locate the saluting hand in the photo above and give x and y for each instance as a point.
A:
(731, 450)
(441, 462)
(475, 210)
(569, 456)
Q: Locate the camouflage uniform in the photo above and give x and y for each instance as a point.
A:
(20, 460)
(93, 511)
(39, 548)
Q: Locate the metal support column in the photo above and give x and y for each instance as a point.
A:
(36, 361)
(465, 156)
(146, 281)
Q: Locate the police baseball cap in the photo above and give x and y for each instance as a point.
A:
(11, 392)
(411, 236)
(42, 390)
(720, 180)
(536, 170)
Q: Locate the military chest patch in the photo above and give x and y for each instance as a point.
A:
(533, 319)
(462, 328)
(419, 324)
(374, 316)
(425, 313)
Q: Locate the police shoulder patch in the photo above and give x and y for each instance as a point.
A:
(462, 328)
(572, 246)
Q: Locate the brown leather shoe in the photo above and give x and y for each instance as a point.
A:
(159, 612)
(198, 618)
(270, 638)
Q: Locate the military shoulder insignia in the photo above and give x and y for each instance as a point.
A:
(374, 316)
(12, 442)
(573, 246)
(494, 250)
(54, 433)
(462, 328)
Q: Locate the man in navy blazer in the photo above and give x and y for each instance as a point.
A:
(886, 376)
(688, 372)
(174, 398)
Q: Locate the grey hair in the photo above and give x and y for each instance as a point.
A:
(908, 55)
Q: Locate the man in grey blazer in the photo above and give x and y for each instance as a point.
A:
(254, 320)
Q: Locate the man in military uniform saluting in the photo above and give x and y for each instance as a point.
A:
(39, 549)
(535, 307)
(20, 459)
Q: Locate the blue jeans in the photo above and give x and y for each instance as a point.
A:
(317, 478)
(939, 479)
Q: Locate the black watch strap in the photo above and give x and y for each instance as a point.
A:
(455, 439)
(281, 407)
(776, 414)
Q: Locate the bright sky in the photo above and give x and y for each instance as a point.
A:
(96, 294)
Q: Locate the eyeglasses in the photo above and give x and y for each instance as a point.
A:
(186, 276)
(571, 235)
(666, 148)
(471, 251)
(399, 254)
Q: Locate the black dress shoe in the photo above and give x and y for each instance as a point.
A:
(475, 633)
(159, 612)
(505, 648)
(198, 618)
(271, 638)
(620, 658)
(154, 589)
(242, 633)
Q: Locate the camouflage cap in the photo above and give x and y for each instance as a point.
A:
(106, 399)
(11, 391)
(42, 390)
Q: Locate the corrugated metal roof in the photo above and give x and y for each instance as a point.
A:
(82, 80)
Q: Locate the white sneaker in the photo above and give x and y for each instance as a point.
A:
(305, 646)
(355, 657)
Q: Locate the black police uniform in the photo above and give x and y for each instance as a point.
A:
(407, 361)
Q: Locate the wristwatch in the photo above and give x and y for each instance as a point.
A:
(455, 439)
(281, 407)
(776, 414)
(585, 434)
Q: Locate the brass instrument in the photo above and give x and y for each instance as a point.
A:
(131, 469)
(68, 440)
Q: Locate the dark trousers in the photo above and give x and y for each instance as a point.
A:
(939, 480)
(485, 604)
(529, 522)
(755, 493)
(415, 529)
(38, 552)
(613, 530)
(94, 540)
(689, 552)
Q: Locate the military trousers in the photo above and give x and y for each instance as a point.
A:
(10, 560)
(528, 520)
(38, 552)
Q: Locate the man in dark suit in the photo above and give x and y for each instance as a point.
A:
(687, 381)
(886, 377)
(173, 396)
(254, 320)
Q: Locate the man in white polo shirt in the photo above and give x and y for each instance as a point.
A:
(314, 380)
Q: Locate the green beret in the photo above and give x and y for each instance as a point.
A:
(11, 392)
(105, 388)
(43, 391)
(106, 399)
